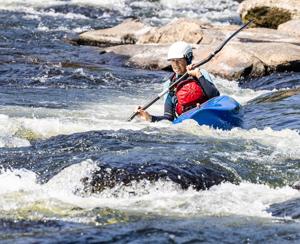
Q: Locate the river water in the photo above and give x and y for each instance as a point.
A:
(73, 170)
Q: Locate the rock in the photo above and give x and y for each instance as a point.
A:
(198, 177)
(252, 53)
(269, 13)
(178, 30)
(291, 28)
(127, 32)
(274, 56)
(235, 62)
(296, 184)
(275, 97)
(290, 208)
(264, 35)
(143, 56)
(239, 60)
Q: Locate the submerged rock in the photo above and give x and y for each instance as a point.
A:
(277, 95)
(296, 185)
(120, 158)
(186, 175)
(269, 13)
(290, 208)
(252, 53)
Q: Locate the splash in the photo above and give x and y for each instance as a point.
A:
(232, 88)
(19, 190)
(285, 142)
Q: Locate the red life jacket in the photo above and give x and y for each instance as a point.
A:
(189, 92)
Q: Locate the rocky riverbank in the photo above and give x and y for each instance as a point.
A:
(253, 52)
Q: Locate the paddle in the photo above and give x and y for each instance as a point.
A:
(186, 74)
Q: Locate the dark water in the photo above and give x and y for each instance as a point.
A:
(73, 169)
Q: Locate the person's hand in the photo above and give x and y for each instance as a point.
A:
(143, 114)
(193, 72)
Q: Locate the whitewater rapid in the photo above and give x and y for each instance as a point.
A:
(20, 189)
(63, 115)
(23, 123)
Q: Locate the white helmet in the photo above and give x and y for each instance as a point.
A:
(180, 50)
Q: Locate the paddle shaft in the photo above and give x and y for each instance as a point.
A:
(185, 75)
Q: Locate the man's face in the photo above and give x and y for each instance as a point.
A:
(179, 65)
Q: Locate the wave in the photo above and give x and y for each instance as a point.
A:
(284, 142)
(20, 192)
(151, 11)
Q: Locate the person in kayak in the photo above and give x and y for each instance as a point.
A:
(189, 93)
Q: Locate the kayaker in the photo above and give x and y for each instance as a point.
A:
(189, 93)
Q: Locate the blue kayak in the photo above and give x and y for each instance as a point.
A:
(221, 112)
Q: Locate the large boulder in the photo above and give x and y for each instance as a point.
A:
(253, 52)
(127, 32)
(235, 62)
(269, 13)
(291, 28)
(275, 56)
(179, 30)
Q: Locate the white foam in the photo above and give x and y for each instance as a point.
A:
(166, 198)
(7, 131)
(165, 9)
(17, 180)
(72, 175)
(205, 10)
(37, 123)
(231, 88)
(112, 113)
(113, 4)
(31, 5)
(285, 142)
(32, 13)
(245, 199)
(18, 190)
(42, 27)
(10, 141)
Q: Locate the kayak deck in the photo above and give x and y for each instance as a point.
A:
(221, 112)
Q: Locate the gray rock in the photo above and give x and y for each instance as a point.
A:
(252, 53)
(196, 176)
(235, 62)
(290, 208)
(179, 30)
(291, 28)
(127, 32)
(275, 97)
